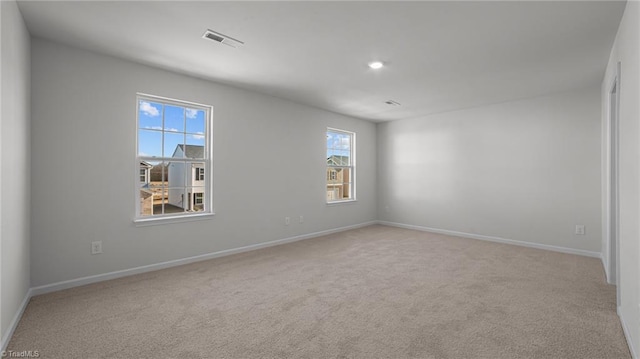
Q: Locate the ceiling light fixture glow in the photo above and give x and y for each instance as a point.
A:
(376, 65)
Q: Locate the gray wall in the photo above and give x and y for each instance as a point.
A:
(526, 170)
(269, 162)
(626, 51)
(15, 160)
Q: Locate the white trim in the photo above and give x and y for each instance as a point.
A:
(157, 266)
(16, 319)
(627, 334)
(190, 217)
(171, 101)
(332, 203)
(548, 247)
(603, 258)
(612, 177)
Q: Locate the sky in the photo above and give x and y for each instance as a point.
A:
(173, 124)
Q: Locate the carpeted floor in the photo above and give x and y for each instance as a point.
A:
(374, 292)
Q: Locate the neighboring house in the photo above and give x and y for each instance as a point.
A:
(158, 173)
(145, 172)
(337, 178)
(146, 196)
(192, 179)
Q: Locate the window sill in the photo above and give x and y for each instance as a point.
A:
(346, 201)
(143, 222)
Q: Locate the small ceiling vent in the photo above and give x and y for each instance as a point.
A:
(392, 103)
(224, 39)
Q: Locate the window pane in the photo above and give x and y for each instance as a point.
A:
(195, 121)
(159, 201)
(334, 192)
(338, 141)
(197, 199)
(343, 157)
(173, 118)
(149, 143)
(339, 158)
(195, 146)
(176, 202)
(158, 173)
(335, 176)
(346, 190)
(171, 142)
(157, 186)
(146, 202)
(150, 115)
(177, 178)
(194, 150)
(346, 182)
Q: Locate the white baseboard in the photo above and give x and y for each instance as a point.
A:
(14, 323)
(152, 267)
(627, 335)
(494, 239)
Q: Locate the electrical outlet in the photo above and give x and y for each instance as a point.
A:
(287, 221)
(301, 219)
(580, 230)
(96, 247)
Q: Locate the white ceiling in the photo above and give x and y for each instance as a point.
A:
(440, 56)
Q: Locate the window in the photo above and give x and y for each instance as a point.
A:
(340, 165)
(199, 174)
(173, 155)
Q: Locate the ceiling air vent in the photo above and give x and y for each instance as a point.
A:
(224, 39)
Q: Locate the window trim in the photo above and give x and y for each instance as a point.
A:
(208, 163)
(352, 166)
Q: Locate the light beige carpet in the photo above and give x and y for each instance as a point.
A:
(375, 292)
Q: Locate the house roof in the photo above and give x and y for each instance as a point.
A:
(145, 164)
(190, 151)
(336, 160)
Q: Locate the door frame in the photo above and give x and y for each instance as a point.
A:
(613, 183)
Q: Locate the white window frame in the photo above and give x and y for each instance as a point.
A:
(195, 196)
(351, 166)
(208, 164)
(143, 175)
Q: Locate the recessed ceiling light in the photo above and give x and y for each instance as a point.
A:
(223, 39)
(376, 65)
